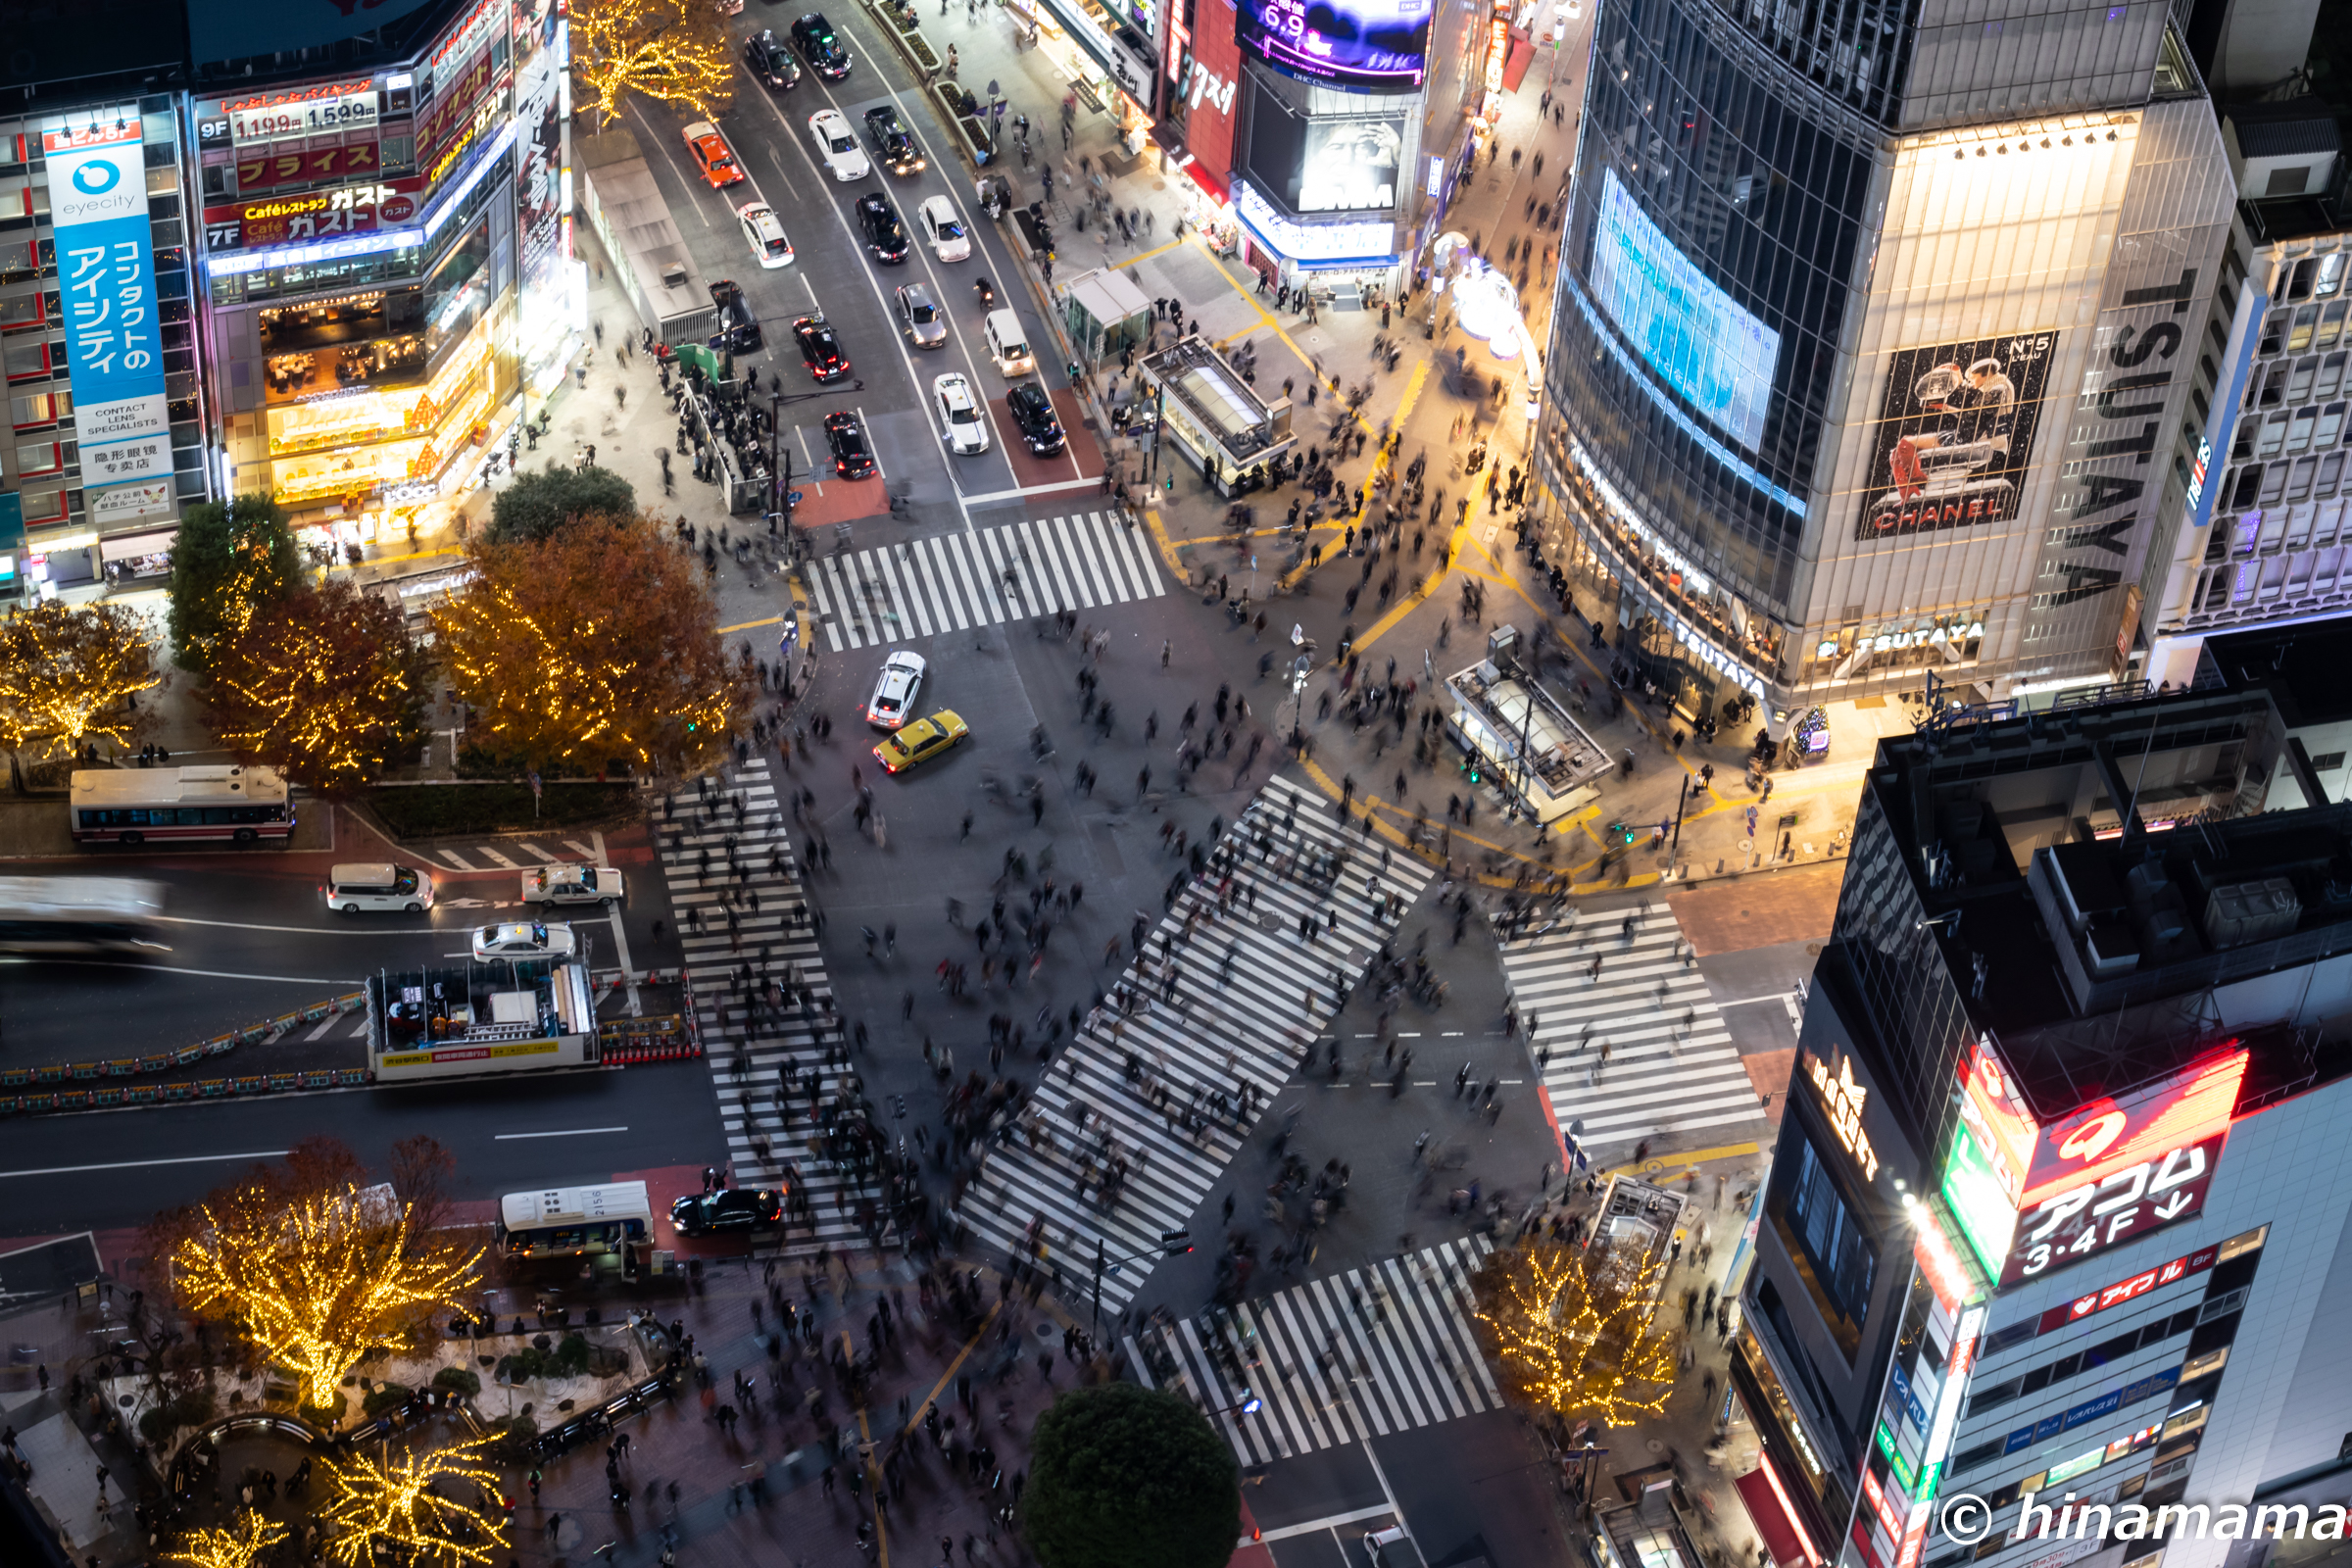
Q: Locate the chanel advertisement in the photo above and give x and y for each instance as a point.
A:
(1954, 435)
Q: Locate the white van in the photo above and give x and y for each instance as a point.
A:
(351, 889)
(1008, 343)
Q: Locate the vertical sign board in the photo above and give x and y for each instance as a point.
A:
(106, 271)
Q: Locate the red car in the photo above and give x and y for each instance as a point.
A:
(712, 153)
(820, 348)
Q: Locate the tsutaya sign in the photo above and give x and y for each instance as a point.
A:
(106, 271)
(1842, 1100)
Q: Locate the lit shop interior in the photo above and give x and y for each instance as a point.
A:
(1104, 52)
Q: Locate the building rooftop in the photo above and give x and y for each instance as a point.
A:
(1197, 376)
(2096, 878)
(2290, 130)
(2301, 665)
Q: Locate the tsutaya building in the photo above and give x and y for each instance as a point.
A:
(1873, 359)
(2062, 1208)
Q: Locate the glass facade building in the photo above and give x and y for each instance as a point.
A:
(1844, 289)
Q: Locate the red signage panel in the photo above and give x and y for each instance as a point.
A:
(2122, 1291)
(310, 215)
(292, 166)
(2109, 1135)
(2123, 1204)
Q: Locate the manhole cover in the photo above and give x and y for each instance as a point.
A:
(1270, 921)
(1655, 1445)
(1047, 1329)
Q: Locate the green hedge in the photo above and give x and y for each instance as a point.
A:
(383, 1396)
(458, 1380)
(437, 811)
(570, 1358)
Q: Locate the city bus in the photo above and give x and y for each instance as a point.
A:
(79, 914)
(575, 1221)
(180, 804)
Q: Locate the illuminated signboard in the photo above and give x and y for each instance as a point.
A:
(106, 276)
(313, 215)
(262, 168)
(1938, 1261)
(1326, 243)
(1995, 1112)
(2122, 1291)
(1973, 1188)
(2076, 1222)
(1499, 54)
(2108, 1136)
(1689, 332)
(302, 111)
(1842, 1101)
(1362, 43)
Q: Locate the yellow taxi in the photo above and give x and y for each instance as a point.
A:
(922, 740)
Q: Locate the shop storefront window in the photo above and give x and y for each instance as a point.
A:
(458, 292)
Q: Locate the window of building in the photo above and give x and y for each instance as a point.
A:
(1830, 1247)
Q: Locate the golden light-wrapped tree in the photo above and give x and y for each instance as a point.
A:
(416, 1503)
(1576, 1332)
(673, 51)
(67, 674)
(244, 1545)
(595, 644)
(328, 689)
(313, 1269)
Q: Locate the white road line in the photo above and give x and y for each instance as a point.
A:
(303, 930)
(488, 853)
(456, 860)
(584, 851)
(136, 1165)
(534, 849)
(567, 1131)
(207, 974)
(324, 1024)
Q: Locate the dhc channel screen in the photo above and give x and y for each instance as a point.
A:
(1690, 331)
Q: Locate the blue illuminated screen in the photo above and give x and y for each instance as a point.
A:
(1686, 328)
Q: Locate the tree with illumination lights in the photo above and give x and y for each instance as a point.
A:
(70, 673)
(230, 564)
(436, 1508)
(598, 645)
(247, 1544)
(673, 51)
(1577, 1331)
(313, 1268)
(329, 689)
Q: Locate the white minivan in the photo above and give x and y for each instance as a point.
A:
(351, 889)
(1008, 343)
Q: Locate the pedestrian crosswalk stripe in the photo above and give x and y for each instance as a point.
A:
(955, 582)
(747, 1051)
(1216, 1030)
(1638, 1049)
(1376, 1350)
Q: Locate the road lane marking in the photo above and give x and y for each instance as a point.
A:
(490, 853)
(209, 974)
(135, 1165)
(304, 930)
(456, 860)
(567, 1131)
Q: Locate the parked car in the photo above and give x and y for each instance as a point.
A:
(738, 329)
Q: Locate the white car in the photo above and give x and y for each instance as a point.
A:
(960, 417)
(766, 235)
(573, 884)
(895, 690)
(944, 229)
(838, 146)
(524, 938)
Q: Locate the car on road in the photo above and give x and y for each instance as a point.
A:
(820, 347)
(896, 150)
(712, 153)
(1392, 1548)
(573, 884)
(377, 885)
(919, 318)
(961, 419)
(878, 222)
(943, 230)
(770, 247)
(524, 938)
(836, 147)
(1033, 412)
(922, 740)
(845, 435)
(729, 1211)
(771, 63)
(895, 689)
(814, 37)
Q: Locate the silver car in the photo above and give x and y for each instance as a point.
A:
(919, 318)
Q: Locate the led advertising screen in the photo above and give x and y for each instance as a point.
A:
(1954, 435)
(1686, 328)
(1972, 1187)
(1380, 44)
(2108, 1135)
(1351, 165)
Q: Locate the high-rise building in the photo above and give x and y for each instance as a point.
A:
(2061, 1209)
(1874, 341)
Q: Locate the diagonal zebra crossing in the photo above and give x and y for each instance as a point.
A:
(1638, 1049)
(955, 582)
(762, 1051)
(1205, 1026)
(1379, 1350)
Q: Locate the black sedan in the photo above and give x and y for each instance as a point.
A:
(1033, 412)
(820, 348)
(851, 457)
(814, 37)
(894, 149)
(879, 222)
(734, 1211)
(770, 61)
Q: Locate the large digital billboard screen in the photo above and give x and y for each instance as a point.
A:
(1686, 328)
(1382, 44)
(1955, 434)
